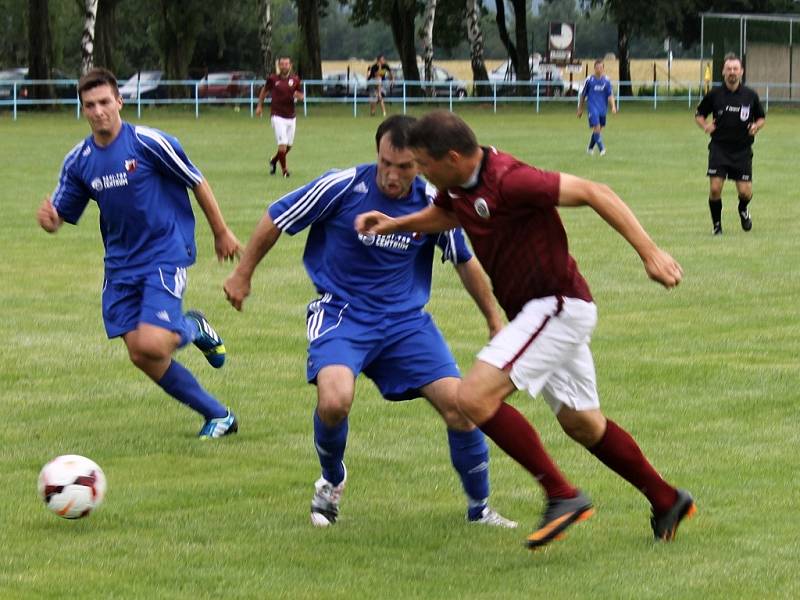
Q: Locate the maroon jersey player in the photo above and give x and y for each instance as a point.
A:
(283, 88)
(509, 211)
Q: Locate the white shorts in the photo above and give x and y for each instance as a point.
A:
(284, 130)
(546, 349)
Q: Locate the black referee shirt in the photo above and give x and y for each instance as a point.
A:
(733, 112)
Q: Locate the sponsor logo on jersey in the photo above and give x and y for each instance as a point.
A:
(735, 109)
(393, 241)
(745, 114)
(114, 180)
(360, 188)
(130, 165)
(482, 208)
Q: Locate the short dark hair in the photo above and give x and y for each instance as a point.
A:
(599, 61)
(398, 127)
(440, 131)
(95, 78)
(731, 56)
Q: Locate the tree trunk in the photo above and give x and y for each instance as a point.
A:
(181, 25)
(500, 19)
(265, 36)
(403, 14)
(426, 37)
(309, 63)
(475, 36)
(105, 35)
(623, 39)
(521, 38)
(87, 40)
(40, 47)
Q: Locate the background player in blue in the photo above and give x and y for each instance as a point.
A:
(138, 176)
(597, 94)
(369, 317)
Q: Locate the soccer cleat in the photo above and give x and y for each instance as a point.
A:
(493, 518)
(589, 151)
(560, 514)
(603, 152)
(665, 526)
(717, 229)
(747, 222)
(208, 340)
(325, 503)
(286, 174)
(273, 166)
(216, 428)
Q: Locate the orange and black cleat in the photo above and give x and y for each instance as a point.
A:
(560, 514)
(666, 526)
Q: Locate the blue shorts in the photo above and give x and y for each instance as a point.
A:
(155, 298)
(400, 353)
(597, 119)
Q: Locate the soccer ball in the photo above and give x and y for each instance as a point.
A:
(72, 486)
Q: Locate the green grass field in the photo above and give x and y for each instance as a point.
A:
(704, 376)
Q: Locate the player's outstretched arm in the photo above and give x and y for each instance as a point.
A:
(262, 95)
(475, 282)
(431, 219)
(226, 246)
(660, 266)
(237, 285)
(48, 217)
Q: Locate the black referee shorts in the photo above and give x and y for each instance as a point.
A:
(730, 163)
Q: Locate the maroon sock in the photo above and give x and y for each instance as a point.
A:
(619, 452)
(515, 436)
(274, 159)
(282, 159)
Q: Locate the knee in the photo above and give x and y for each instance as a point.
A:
(585, 427)
(144, 352)
(333, 408)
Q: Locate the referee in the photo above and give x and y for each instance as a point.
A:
(737, 117)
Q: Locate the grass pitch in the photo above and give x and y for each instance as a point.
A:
(704, 376)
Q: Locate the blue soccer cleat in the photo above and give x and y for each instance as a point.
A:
(216, 428)
(208, 340)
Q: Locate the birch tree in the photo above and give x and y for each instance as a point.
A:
(426, 37)
(87, 40)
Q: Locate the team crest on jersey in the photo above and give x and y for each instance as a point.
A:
(130, 165)
(745, 113)
(291, 83)
(481, 208)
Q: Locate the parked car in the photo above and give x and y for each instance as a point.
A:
(148, 84)
(342, 83)
(443, 81)
(548, 78)
(228, 84)
(23, 90)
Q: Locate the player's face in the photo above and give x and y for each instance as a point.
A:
(732, 73)
(440, 172)
(598, 69)
(396, 169)
(284, 66)
(101, 107)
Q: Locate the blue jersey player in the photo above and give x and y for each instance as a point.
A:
(138, 176)
(369, 315)
(596, 95)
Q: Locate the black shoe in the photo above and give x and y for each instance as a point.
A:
(747, 222)
(666, 526)
(286, 174)
(717, 229)
(560, 514)
(272, 167)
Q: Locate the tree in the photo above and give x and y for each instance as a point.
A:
(106, 35)
(265, 35)
(518, 49)
(426, 37)
(309, 62)
(40, 47)
(475, 36)
(87, 40)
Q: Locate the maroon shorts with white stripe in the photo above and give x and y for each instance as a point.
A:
(546, 349)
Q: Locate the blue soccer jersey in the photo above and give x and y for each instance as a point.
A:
(596, 90)
(383, 273)
(139, 182)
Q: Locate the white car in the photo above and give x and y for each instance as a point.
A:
(147, 84)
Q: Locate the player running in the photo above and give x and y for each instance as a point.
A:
(283, 89)
(597, 93)
(369, 315)
(508, 209)
(138, 176)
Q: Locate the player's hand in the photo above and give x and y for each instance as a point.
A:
(709, 128)
(48, 217)
(664, 269)
(752, 129)
(236, 288)
(580, 112)
(374, 222)
(495, 327)
(259, 110)
(227, 246)
(614, 110)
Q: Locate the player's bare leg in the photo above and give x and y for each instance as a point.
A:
(715, 185)
(482, 400)
(745, 191)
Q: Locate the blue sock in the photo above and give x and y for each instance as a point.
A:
(470, 456)
(330, 443)
(188, 331)
(600, 143)
(593, 141)
(179, 383)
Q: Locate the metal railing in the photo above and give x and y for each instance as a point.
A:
(17, 94)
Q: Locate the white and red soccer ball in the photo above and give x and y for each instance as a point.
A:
(72, 486)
